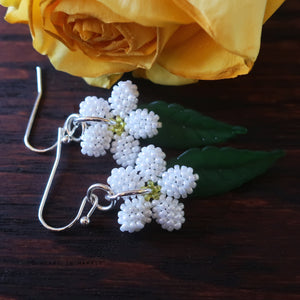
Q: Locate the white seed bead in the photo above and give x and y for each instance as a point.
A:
(134, 214)
(124, 179)
(150, 163)
(168, 212)
(178, 182)
(95, 140)
(95, 107)
(125, 149)
(142, 124)
(123, 98)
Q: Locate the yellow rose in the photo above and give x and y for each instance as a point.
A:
(169, 42)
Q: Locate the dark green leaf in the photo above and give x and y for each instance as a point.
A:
(223, 169)
(185, 128)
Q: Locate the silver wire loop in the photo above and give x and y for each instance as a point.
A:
(70, 128)
(84, 119)
(103, 187)
(86, 219)
(115, 197)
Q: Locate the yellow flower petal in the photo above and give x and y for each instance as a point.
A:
(92, 8)
(234, 24)
(149, 12)
(272, 6)
(75, 61)
(99, 33)
(160, 75)
(17, 11)
(105, 81)
(192, 53)
(223, 42)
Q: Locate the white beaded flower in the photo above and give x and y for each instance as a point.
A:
(164, 187)
(127, 124)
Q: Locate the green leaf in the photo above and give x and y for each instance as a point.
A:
(223, 169)
(186, 128)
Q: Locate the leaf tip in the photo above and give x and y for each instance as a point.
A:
(239, 130)
(278, 153)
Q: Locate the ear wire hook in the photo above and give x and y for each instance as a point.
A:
(47, 189)
(33, 114)
(74, 119)
(65, 135)
(60, 135)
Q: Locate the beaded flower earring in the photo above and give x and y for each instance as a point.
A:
(149, 192)
(115, 124)
(126, 124)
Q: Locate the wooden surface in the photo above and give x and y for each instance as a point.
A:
(240, 245)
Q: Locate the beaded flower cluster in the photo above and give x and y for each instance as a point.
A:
(164, 188)
(127, 124)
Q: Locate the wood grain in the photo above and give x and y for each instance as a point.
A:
(241, 245)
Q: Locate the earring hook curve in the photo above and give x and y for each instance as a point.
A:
(33, 114)
(48, 186)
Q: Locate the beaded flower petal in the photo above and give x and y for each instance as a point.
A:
(164, 188)
(168, 212)
(134, 214)
(126, 124)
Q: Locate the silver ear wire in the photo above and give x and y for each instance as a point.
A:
(70, 126)
(33, 114)
(48, 186)
(65, 135)
(90, 196)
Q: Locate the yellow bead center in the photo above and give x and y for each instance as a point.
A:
(155, 191)
(119, 126)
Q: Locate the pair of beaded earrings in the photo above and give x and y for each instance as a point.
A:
(148, 188)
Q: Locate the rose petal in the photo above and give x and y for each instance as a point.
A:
(196, 55)
(272, 6)
(224, 42)
(73, 62)
(149, 13)
(72, 22)
(17, 11)
(160, 75)
(105, 81)
(235, 25)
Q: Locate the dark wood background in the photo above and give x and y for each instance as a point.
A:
(240, 245)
